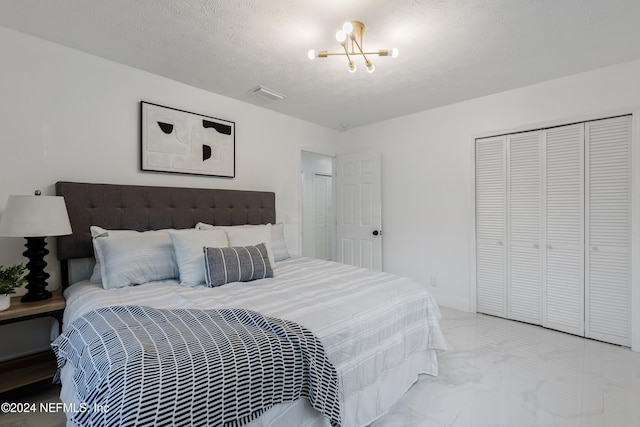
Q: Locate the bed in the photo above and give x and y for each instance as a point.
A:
(379, 331)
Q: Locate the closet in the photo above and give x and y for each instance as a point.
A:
(553, 228)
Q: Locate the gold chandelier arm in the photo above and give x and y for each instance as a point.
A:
(325, 54)
(370, 66)
(352, 65)
(346, 52)
(360, 49)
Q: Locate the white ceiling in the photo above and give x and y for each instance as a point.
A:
(450, 50)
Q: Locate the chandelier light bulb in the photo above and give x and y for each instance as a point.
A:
(352, 67)
(341, 36)
(395, 52)
(370, 67)
(311, 54)
(347, 27)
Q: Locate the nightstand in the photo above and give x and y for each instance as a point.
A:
(36, 367)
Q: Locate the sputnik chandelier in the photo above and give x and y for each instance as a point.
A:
(352, 32)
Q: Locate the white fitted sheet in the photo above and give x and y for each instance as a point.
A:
(379, 330)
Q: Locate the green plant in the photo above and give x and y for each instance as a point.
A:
(11, 278)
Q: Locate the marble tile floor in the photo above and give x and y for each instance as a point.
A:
(42, 394)
(498, 372)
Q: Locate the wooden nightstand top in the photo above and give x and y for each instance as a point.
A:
(21, 309)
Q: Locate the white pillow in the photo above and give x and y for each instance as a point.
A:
(278, 244)
(96, 232)
(251, 236)
(277, 249)
(205, 226)
(133, 259)
(189, 248)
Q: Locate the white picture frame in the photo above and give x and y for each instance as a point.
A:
(178, 141)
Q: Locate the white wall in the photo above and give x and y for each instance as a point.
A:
(67, 115)
(427, 164)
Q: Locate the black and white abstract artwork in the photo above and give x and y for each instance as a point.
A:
(183, 142)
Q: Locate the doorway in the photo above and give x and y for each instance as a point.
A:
(318, 206)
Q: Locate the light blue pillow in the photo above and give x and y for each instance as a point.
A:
(101, 233)
(133, 259)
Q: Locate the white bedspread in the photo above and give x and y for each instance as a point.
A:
(374, 326)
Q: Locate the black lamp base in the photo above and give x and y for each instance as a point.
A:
(37, 277)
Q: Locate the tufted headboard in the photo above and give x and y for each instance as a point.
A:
(143, 208)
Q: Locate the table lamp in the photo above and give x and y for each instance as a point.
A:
(34, 218)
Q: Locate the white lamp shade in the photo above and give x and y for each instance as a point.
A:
(35, 216)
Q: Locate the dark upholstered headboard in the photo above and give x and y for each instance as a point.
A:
(143, 208)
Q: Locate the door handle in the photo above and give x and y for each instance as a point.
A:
(377, 232)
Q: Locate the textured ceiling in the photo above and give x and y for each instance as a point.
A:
(450, 50)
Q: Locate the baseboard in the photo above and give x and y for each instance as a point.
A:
(457, 303)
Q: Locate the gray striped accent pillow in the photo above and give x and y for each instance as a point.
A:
(236, 264)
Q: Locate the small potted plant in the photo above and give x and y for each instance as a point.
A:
(10, 279)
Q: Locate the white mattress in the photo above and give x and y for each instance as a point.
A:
(379, 330)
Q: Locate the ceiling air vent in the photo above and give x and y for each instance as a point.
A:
(267, 93)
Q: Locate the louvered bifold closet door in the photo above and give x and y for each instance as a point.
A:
(491, 226)
(563, 269)
(524, 225)
(608, 227)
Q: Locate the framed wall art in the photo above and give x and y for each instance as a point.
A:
(178, 141)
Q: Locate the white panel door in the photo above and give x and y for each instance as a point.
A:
(608, 237)
(524, 198)
(563, 269)
(359, 210)
(491, 226)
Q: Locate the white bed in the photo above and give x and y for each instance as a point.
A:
(380, 331)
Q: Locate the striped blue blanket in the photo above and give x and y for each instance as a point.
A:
(144, 366)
